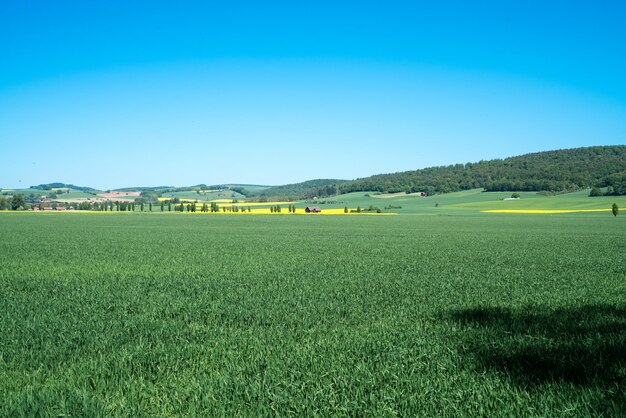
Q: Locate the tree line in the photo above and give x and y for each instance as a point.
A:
(551, 171)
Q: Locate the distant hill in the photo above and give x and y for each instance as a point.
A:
(550, 171)
(190, 188)
(217, 186)
(305, 189)
(247, 190)
(143, 188)
(51, 186)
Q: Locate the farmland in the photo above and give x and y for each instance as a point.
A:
(455, 312)
(471, 201)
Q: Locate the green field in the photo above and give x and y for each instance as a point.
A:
(70, 194)
(205, 196)
(126, 314)
(474, 201)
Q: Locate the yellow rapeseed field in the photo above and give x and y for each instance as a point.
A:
(227, 202)
(242, 211)
(165, 199)
(252, 204)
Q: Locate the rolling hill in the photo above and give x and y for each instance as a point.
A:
(305, 189)
(550, 171)
(556, 171)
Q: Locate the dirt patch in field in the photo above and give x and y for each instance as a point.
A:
(399, 194)
(119, 195)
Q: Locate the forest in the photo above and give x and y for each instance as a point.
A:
(552, 171)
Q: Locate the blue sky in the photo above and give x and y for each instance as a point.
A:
(127, 93)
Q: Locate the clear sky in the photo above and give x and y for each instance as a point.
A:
(130, 93)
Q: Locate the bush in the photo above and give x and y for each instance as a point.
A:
(595, 192)
(515, 195)
(17, 202)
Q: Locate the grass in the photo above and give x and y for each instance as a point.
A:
(461, 315)
(72, 194)
(205, 196)
(476, 200)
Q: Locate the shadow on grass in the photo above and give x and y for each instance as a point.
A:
(584, 345)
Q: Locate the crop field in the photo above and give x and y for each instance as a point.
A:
(203, 195)
(476, 200)
(454, 313)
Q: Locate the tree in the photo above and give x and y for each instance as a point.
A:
(17, 202)
(515, 195)
(615, 209)
(150, 206)
(358, 209)
(162, 205)
(169, 206)
(345, 210)
(595, 192)
(141, 206)
(4, 203)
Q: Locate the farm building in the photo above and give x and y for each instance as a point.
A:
(312, 209)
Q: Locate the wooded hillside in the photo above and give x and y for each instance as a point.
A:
(552, 171)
